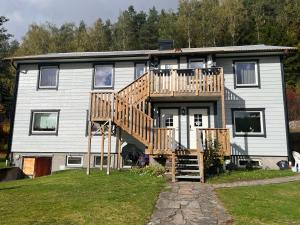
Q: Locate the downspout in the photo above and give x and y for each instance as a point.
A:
(14, 108)
(285, 109)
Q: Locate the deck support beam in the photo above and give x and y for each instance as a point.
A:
(119, 146)
(102, 147)
(109, 147)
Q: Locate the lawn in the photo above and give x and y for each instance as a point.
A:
(71, 197)
(268, 204)
(242, 175)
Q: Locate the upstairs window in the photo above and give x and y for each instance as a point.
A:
(246, 74)
(196, 63)
(48, 77)
(140, 69)
(44, 122)
(248, 122)
(104, 76)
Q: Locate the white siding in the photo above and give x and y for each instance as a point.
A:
(71, 98)
(270, 97)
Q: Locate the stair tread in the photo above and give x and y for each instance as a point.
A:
(187, 177)
(187, 159)
(188, 171)
(186, 164)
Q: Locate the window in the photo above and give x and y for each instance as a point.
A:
(255, 163)
(44, 122)
(246, 74)
(74, 161)
(140, 69)
(169, 64)
(198, 120)
(248, 122)
(169, 120)
(196, 63)
(48, 77)
(97, 160)
(104, 76)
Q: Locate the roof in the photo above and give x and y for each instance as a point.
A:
(136, 53)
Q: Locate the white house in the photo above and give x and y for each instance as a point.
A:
(159, 101)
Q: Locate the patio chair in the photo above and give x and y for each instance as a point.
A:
(296, 156)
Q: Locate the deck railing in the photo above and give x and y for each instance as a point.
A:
(214, 138)
(163, 140)
(187, 82)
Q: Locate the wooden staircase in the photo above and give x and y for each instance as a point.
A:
(129, 110)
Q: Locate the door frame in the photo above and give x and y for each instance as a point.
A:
(179, 120)
(188, 120)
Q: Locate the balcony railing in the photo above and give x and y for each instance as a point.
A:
(190, 82)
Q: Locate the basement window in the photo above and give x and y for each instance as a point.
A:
(255, 163)
(97, 160)
(74, 161)
(248, 122)
(48, 77)
(44, 122)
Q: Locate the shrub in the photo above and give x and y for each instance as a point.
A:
(213, 161)
(153, 170)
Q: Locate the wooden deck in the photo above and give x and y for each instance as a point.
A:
(186, 82)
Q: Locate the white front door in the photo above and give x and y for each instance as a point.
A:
(198, 118)
(169, 118)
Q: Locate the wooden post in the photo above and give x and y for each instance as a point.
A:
(119, 148)
(223, 100)
(89, 138)
(102, 147)
(173, 167)
(201, 165)
(109, 147)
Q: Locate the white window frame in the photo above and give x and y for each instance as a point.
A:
(33, 132)
(256, 84)
(40, 76)
(250, 133)
(197, 60)
(74, 165)
(112, 78)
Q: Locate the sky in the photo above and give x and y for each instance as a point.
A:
(22, 13)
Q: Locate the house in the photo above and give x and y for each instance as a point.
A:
(172, 104)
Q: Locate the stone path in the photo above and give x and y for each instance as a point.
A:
(188, 203)
(276, 180)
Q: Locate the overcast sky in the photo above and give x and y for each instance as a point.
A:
(22, 13)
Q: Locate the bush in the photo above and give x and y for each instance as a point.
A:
(153, 170)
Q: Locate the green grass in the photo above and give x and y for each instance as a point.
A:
(267, 204)
(71, 197)
(242, 175)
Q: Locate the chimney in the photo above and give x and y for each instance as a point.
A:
(166, 44)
